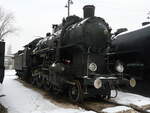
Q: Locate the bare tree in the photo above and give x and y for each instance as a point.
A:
(6, 26)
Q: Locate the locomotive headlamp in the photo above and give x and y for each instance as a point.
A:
(98, 83)
(132, 82)
(92, 67)
(119, 67)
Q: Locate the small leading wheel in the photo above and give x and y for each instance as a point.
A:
(38, 82)
(47, 86)
(76, 92)
(106, 95)
(33, 81)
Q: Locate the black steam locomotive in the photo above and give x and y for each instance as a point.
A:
(2, 68)
(74, 59)
(132, 49)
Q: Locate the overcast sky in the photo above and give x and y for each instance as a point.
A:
(35, 17)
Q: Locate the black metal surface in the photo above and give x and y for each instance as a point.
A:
(137, 42)
(2, 68)
(89, 11)
(93, 31)
(18, 60)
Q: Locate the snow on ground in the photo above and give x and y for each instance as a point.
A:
(10, 72)
(116, 109)
(129, 98)
(20, 99)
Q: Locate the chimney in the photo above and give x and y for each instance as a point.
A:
(88, 11)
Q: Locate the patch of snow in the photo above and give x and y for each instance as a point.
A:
(10, 72)
(129, 98)
(116, 109)
(20, 99)
(148, 110)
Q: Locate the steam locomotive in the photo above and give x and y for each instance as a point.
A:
(74, 59)
(131, 48)
(2, 68)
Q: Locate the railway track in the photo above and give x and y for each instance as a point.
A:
(98, 106)
(89, 104)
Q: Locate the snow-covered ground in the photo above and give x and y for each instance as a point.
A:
(128, 99)
(116, 109)
(20, 99)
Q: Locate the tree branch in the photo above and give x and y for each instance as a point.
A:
(6, 26)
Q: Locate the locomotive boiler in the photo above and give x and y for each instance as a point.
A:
(132, 49)
(74, 59)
